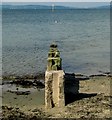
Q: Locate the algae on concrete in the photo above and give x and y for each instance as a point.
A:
(54, 60)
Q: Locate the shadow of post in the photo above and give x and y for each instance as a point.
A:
(71, 89)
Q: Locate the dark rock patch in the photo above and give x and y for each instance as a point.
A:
(26, 83)
(19, 92)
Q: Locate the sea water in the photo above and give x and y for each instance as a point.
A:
(82, 36)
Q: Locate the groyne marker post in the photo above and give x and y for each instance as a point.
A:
(54, 79)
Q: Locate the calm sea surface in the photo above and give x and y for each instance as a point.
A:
(83, 38)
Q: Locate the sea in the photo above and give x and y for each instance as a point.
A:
(82, 36)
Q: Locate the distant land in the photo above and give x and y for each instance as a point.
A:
(104, 7)
(32, 7)
(46, 7)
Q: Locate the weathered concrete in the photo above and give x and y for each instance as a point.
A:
(54, 89)
(54, 79)
(58, 85)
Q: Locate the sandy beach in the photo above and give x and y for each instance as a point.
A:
(93, 101)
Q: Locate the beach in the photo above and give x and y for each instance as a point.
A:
(93, 101)
(83, 39)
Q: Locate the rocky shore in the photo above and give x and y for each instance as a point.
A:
(11, 113)
(92, 102)
(21, 77)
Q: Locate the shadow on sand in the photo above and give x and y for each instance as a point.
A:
(71, 88)
(69, 98)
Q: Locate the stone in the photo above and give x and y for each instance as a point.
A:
(54, 89)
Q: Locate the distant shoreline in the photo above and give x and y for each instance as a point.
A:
(57, 7)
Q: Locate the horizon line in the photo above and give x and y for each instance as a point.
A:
(86, 5)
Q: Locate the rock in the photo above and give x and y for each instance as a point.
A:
(27, 83)
(23, 93)
(35, 110)
(19, 92)
(38, 84)
(10, 113)
(22, 82)
(97, 75)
